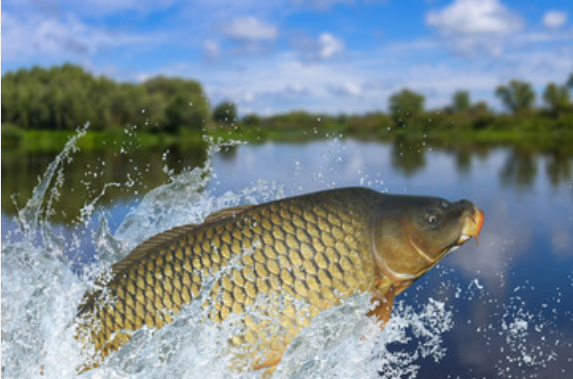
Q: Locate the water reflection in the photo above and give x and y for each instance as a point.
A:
(558, 168)
(142, 170)
(408, 157)
(522, 269)
(463, 161)
(135, 171)
(520, 169)
(229, 153)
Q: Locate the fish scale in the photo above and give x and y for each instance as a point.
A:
(309, 250)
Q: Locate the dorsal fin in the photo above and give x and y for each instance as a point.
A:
(227, 212)
(150, 245)
(157, 240)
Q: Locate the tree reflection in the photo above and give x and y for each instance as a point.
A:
(89, 172)
(140, 170)
(229, 152)
(519, 169)
(463, 160)
(558, 168)
(408, 157)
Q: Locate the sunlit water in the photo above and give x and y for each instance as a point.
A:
(502, 309)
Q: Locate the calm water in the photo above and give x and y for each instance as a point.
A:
(511, 297)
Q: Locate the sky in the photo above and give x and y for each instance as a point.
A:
(328, 56)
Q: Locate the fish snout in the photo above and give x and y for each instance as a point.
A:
(472, 223)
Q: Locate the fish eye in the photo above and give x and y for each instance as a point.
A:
(432, 216)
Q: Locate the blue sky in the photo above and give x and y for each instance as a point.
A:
(333, 56)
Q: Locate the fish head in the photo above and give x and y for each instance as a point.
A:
(410, 234)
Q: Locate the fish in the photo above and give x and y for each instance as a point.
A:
(288, 259)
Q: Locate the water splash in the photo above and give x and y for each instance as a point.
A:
(342, 342)
(41, 291)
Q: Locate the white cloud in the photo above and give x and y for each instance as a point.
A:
(471, 17)
(326, 46)
(346, 89)
(329, 46)
(211, 49)
(35, 35)
(472, 26)
(317, 72)
(362, 81)
(554, 19)
(250, 29)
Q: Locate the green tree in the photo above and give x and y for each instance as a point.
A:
(175, 103)
(296, 120)
(369, 123)
(461, 102)
(56, 98)
(557, 98)
(226, 112)
(406, 104)
(481, 115)
(570, 81)
(63, 97)
(251, 120)
(178, 113)
(517, 96)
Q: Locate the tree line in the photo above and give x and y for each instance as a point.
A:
(62, 97)
(518, 97)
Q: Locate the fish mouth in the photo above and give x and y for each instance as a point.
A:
(472, 227)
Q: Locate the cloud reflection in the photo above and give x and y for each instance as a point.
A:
(502, 238)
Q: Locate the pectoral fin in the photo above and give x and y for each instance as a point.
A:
(385, 302)
(269, 363)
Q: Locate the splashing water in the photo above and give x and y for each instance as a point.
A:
(41, 290)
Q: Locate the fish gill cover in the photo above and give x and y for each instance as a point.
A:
(45, 274)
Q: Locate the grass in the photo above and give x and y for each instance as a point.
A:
(53, 141)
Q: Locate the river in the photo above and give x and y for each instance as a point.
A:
(503, 308)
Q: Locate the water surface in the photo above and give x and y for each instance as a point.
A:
(510, 299)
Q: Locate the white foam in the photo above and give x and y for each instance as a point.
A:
(40, 294)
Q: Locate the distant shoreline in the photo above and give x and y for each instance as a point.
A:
(41, 108)
(53, 141)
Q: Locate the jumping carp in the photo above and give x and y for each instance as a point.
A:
(314, 250)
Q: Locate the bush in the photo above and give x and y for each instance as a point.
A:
(11, 135)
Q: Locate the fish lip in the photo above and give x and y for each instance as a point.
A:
(472, 227)
(463, 239)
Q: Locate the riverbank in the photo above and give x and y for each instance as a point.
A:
(53, 141)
